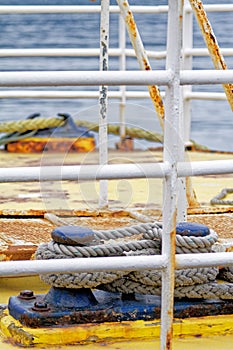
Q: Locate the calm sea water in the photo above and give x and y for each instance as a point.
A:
(212, 122)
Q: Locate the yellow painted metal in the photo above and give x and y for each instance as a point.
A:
(194, 333)
(135, 193)
(135, 331)
(109, 331)
(212, 44)
(12, 286)
(52, 144)
(197, 343)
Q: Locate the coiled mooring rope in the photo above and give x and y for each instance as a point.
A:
(144, 238)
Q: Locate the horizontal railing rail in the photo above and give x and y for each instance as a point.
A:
(24, 9)
(113, 171)
(114, 52)
(129, 263)
(113, 78)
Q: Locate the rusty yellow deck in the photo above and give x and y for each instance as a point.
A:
(195, 333)
(23, 205)
(135, 193)
(23, 227)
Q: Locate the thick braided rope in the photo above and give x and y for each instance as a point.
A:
(226, 274)
(54, 250)
(185, 277)
(207, 290)
(187, 244)
(122, 232)
(153, 231)
(149, 282)
(81, 280)
(44, 123)
(30, 124)
(145, 282)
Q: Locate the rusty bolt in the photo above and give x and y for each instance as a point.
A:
(26, 295)
(40, 306)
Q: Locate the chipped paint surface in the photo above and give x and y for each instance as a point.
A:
(171, 272)
(212, 44)
(131, 23)
(141, 56)
(157, 101)
(39, 144)
(18, 252)
(114, 332)
(190, 333)
(191, 194)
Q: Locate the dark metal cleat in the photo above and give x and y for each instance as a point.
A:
(73, 235)
(192, 229)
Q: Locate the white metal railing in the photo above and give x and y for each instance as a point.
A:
(122, 52)
(129, 263)
(172, 169)
(113, 171)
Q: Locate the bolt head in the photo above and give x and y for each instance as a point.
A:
(40, 306)
(26, 294)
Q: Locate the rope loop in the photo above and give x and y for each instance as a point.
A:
(141, 239)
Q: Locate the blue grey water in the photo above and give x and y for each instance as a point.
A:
(212, 121)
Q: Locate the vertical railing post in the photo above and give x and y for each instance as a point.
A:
(171, 150)
(187, 63)
(122, 64)
(184, 192)
(103, 100)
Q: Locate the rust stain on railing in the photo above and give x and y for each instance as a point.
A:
(212, 44)
(142, 57)
(131, 23)
(171, 274)
(145, 65)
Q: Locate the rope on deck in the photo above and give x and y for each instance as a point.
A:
(145, 239)
(219, 198)
(40, 123)
(53, 122)
(30, 124)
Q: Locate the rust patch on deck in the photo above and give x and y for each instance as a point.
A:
(17, 252)
(21, 234)
(39, 145)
